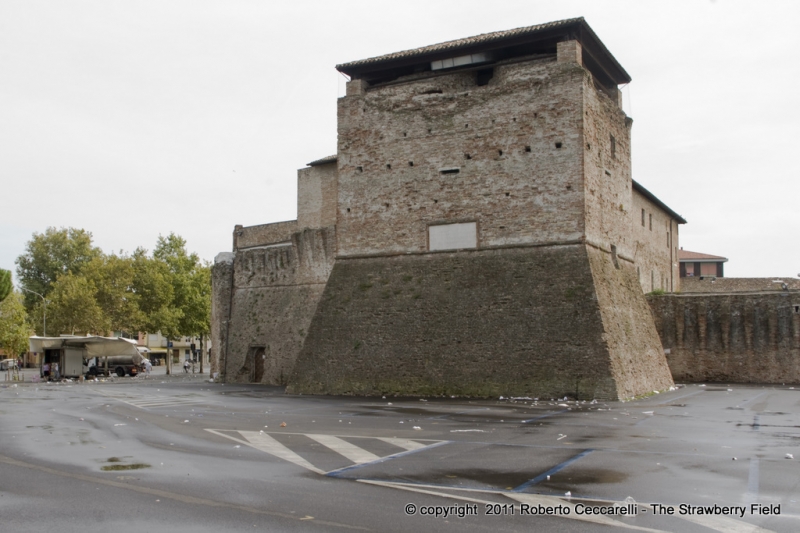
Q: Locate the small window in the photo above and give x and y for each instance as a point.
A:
(651, 221)
(453, 236)
(642, 217)
(613, 147)
(483, 76)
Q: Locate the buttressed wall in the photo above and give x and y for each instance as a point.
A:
(745, 337)
(534, 291)
(471, 237)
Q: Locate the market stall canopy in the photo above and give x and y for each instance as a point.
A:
(94, 346)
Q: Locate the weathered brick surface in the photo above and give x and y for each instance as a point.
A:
(607, 172)
(221, 284)
(657, 262)
(735, 338)
(276, 290)
(636, 356)
(696, 285)
(515, 195)
(263, 234)
(548, 304)
(317, 196)
(483, 323)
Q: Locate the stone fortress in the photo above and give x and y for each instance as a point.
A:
(478, 233)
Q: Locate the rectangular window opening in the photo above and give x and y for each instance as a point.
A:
(483, 76)
(449, 170)
(453, 236)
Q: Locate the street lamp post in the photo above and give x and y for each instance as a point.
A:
(44, 316)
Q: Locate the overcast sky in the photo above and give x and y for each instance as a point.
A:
(133, 119)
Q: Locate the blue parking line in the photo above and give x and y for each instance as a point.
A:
(557, 468)
(337, 473)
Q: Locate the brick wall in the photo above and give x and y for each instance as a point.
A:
(694, 285)
(275, 293)
(317, 196)
(263, 234)
(656, 261)
(518, 321)
(734, 338)
(515, 142)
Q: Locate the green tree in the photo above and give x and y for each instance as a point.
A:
(51, 254)
(191, 284)
(5, 284)
(152, 285)
(73, 309)
(113, 276)
(14, 328)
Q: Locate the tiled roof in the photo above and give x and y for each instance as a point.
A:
(686, 255)
(484, 38)
(323, 161)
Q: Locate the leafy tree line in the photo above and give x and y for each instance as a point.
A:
(14, 327)
(87, 291)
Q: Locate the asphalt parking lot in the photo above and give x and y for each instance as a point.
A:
(704, 457)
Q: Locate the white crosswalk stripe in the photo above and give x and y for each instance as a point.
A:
(335, 443)
(348, 450)
(147, 402)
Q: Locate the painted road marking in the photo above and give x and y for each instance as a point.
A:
(336, 443)
(345, 449)
(722, 524)
(532, 499)
(557, 468)
(406, 444)
(153, 401)
(265, 443)
(340, 471)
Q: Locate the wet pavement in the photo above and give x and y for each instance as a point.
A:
(180, 453)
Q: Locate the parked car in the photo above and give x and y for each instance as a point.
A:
(8, 364)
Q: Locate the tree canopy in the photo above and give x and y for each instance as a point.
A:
(87, 291)
(51, 254)
(14, 328)
(5, 284)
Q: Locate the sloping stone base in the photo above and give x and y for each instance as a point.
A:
(515, 321)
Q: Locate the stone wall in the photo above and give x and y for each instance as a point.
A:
(513, 321)
(263, 234)
(636, 356)
(506, 155)
(317, 196)
(606, 144)
(655, 236)
(697, 285)
(221, 285)
(275, 293)
(733, 338)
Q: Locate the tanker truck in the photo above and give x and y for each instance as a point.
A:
(121, 365)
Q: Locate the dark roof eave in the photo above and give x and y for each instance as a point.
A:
(323, 161)
(652, 197)
(488, 41)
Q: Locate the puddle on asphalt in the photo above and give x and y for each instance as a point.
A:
(592, 476)
(491, 478)
(116, 466)
(135, 466)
